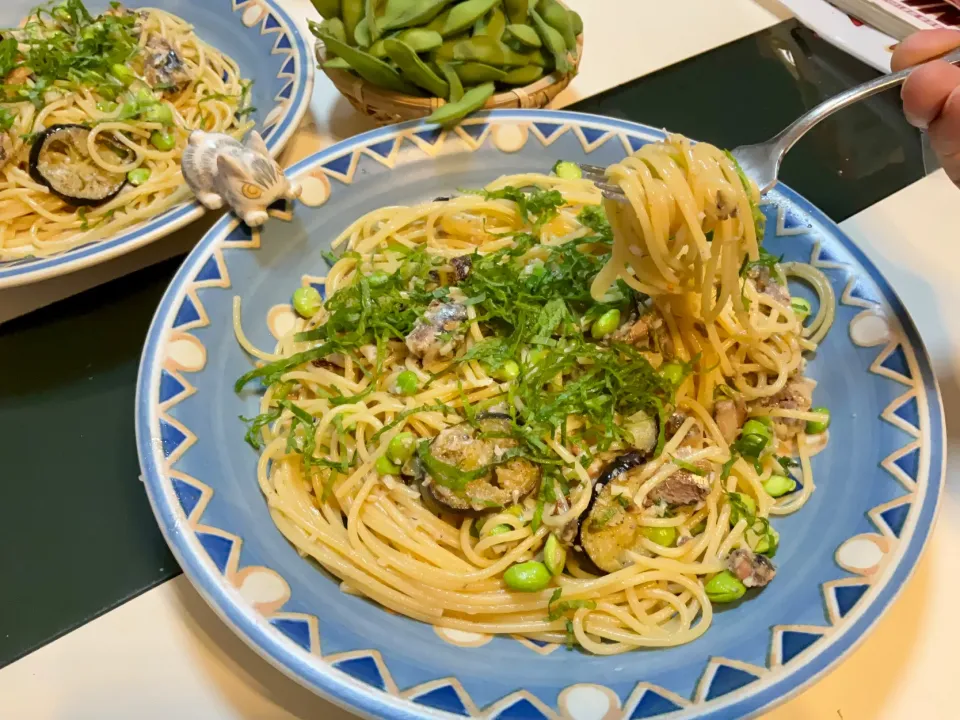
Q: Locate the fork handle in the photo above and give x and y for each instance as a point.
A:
(786, 139)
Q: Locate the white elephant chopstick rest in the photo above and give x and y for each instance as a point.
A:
(220, 170)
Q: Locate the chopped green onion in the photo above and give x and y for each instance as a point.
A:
(801, 308)
(378, 278)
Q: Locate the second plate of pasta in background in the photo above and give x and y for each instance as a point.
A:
(98, 104)
(517, 450)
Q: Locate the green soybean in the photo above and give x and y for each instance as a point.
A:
(385, 467)
(472, 100)
(370, 68)
(768, 543)
(779, 485)
(337, 63)
(474, 73)
(415, 69)
(508, 371)
(407, 13)
(521, 36)
(529, 576)
(407, 382)
(818, 426)
(517, 10)
(500, 530)
(378, 278)
(605, 324)
(122, 73)
(576, 21)
(554, 555)
(401, 448)
(163, 140)
(523, 75)
(465, 14)
(665, 536)
(138, 176)
(672, 372)
(553, 41)
(158, 113)
(724, 587)
(453, 80)
(328, 9)
(754, 426)
(351, 11)
(307, 301)
(749, 504)
(801, 308)
(557, 17)
(567, 170)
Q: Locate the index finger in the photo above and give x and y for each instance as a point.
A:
(923, 46)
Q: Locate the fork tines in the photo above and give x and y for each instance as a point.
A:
(598, 176)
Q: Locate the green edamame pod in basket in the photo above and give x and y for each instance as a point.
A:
(453, 80)
(333, 27)
(492, 24)
(521, 37)
(352, 13)
(474, 73)
(491, 52)
(576, 21)
(517, 10)
(523, 75)
(553, 41)
(465, 14)
(419, 39)
(370, 15)
(411, 13)
(557, 17)
(415, 69)
(337, 63)
(472, 100)
(361, 34)
(370, 68)
(328, 9)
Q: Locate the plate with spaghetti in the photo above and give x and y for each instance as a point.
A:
(98, 101)
(458, 435)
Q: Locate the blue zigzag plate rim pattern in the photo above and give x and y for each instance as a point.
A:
(868, 565)
(294, 81)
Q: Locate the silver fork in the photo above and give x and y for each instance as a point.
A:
(762, 161)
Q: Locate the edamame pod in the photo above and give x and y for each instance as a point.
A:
(473, 99)
(331, 27)
(411, 13)
(419, 39)
(489, 51)
(453, 80)
(557, 17)
(553, 41)
(414, 69)
(576, 21)
(523, 75)
(474, 73)
(517, 10)
(370, 15)
(361, 34)
(328, 9)
(521, 37)
(492, 24)
(370, 68)
(352, 13)
(465, 14)
(337, 63)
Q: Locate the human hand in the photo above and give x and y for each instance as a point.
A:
(931, 95)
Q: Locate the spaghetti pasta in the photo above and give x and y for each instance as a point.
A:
(510, 416)
(137, 83)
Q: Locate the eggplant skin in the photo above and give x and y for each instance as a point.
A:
(614, 469)
(35, 172)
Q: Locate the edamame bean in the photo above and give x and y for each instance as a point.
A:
(818, 426)
(755, 426)
(665, 536)
(779, 485)
(138, 176)
(385, 467)
(107, 106)
(406, 13)
(567, 170)
(307, 301)
(414, 68)
(554, 555)
(163, 140)
(378, 278)
(529, 576)
(801, 308)
(605, 324)
(351, 12)
(553, 41)
(523, 75)
(508, 371)
(401, 447)
(465, 14)
(521, 37)
(407, 382)
(122, 73)
(453, 80)
(474, 73)
(328, 9)
(158, 113)
(557, 17)
(672, 372)
(473, 99)
(517, 10)
(500, 530)
(724, 587)
(370, 68)
(768, 544)
(749, 505)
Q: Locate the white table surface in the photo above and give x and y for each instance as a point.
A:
(166, 655)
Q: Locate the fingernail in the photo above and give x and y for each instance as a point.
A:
(915, 120)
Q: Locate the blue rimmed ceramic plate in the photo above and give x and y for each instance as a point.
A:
(843, 558)
(264, 41)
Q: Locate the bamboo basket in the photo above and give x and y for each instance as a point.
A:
(387, 107)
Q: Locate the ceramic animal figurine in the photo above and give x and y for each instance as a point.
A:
(220, 170)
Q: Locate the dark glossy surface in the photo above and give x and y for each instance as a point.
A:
(76, 533)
